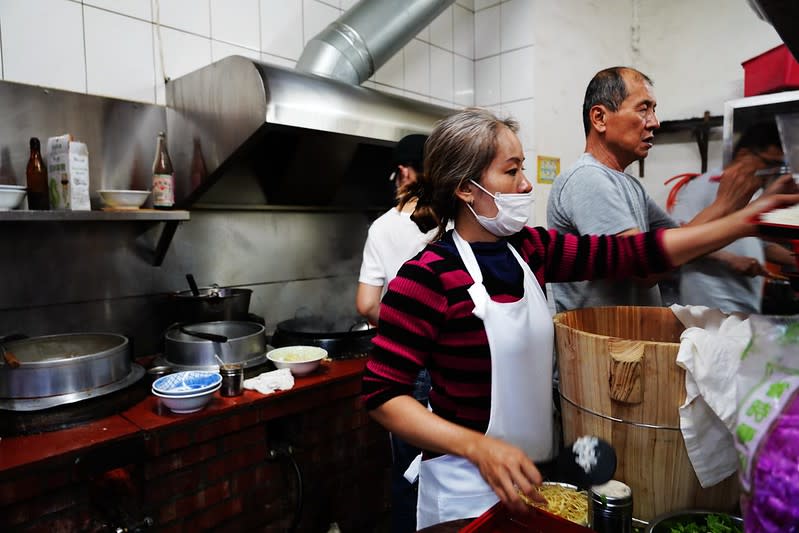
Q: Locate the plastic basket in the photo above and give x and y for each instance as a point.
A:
(499, 520)
(772, 71)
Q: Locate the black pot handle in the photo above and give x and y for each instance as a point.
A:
(213, 337)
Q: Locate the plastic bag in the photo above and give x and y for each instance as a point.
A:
(767, 429)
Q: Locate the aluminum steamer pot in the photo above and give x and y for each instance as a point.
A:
(246, 345)
(212, 304)
(63, 364)
(341, 338)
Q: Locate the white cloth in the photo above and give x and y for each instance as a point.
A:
(710, 352)
(393, 238)
(520, 336)
(269, 382)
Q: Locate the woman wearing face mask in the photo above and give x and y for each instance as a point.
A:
(470, 308)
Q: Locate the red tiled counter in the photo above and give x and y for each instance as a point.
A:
(230, 466)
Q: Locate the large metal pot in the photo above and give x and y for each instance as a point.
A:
(245, 344)
(342, 338)
(63, 364)
(211, 304)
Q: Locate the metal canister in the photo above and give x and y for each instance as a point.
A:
(232, 380)
(610, 508)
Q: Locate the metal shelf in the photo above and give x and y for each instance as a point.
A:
(743, 112)
(170, 218)
(150, 215)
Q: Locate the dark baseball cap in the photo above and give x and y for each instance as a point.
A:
(410, 151)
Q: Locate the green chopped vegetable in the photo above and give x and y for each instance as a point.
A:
(713, 523)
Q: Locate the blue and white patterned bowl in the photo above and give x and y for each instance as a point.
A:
(186, 383)
(188, 403)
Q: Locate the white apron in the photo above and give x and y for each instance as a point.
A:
(520, 338)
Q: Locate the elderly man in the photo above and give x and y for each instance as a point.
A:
(596, 196)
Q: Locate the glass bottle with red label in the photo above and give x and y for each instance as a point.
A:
(163, 176)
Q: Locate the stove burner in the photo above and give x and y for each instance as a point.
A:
(14, 423)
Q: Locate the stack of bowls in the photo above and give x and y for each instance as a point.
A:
(187, 392)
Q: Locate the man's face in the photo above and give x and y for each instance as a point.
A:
(630, 130)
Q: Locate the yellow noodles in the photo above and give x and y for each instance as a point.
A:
(562, 501)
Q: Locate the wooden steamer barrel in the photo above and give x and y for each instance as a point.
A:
(619, 380)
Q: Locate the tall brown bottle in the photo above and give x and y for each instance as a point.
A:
(163, 176)
(36, 174)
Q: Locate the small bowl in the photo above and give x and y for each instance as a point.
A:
(11, 197)
(301, 360)
(186, 383)
(123, 199)
(189, 403)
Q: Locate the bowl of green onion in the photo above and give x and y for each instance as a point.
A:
(696, 521)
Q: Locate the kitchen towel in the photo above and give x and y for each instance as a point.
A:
(710, 352)
(269, 382)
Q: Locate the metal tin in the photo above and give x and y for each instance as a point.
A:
(156, 372)
(232, 380)
(610, 514)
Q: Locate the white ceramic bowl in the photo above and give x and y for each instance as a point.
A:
(301, 360)
(188, 403)
(122, 199)
(11, 197)
(186, 383)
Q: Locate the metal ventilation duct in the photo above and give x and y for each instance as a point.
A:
(353, 47)
(246, 133)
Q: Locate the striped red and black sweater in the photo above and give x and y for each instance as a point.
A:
(426, 318)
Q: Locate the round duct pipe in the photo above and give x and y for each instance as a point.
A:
(353, 47)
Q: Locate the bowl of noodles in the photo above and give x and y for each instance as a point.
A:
(563, 500)
(301, 360)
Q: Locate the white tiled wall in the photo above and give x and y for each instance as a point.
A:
(127, 48)
(504, 69)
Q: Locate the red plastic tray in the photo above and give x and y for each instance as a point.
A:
(499, 520)
(772, 71)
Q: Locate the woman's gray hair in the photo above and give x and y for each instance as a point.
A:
(459, 149)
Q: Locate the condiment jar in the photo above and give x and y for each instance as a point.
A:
(610, 508)
(232, 380)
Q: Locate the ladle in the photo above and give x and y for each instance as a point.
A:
(599, 460)
(213, 337)
(193, 285)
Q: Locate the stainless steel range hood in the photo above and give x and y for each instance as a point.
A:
(272, 136)
(245, 133)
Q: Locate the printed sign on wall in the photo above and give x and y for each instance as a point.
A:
(548, 168)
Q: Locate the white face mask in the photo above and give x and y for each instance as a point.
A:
(513, 211)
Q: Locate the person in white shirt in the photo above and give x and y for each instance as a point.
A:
(394, 238)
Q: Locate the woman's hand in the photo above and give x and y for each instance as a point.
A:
(507, 470)
(766, 202)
